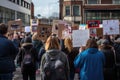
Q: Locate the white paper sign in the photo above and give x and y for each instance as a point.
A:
(80, 37)
(110, 27)
(27, 29)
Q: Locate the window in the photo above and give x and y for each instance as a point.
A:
(92, 1)
(76, 10)
(67, 10)
(116, 1)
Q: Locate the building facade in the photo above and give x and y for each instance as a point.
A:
(80, 11)
(15, 9)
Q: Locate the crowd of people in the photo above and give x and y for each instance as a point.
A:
(57, 59)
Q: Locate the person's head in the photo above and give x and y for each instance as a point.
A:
(3, 29)
(91, 43)
(105, 42)
(68, 44)
(28, 40)
(15, 36)
(10, 36)
(52, 43)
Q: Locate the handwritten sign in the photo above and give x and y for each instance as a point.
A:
(110, 27)
(80, 37)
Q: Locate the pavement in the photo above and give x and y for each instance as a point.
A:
(18, 76)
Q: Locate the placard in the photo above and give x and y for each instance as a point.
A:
(80, 37)
(93, 23)
(15, 25)
(44, 31)
(110, 27)
(27, 29)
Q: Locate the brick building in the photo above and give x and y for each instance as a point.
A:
(80, 11)
(32, 10)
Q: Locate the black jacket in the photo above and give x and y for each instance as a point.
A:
(27, 46)
(109, 68)
(8, 53)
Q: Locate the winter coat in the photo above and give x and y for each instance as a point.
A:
(63, 58)
(37, 44)
(109, 68)
(71, 56)
(21, 54)
(8, 53)
(116, 46)
(90, 62)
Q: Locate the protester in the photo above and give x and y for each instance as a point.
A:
(8, 53)
(37, 43)
(110, 67)
(16, 40)
(100, 41)
(54, 63)
(27, 59)
(116, 46)
(71, 54)
(90, 62)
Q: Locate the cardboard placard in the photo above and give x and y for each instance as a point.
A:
(15, 26)
(34, 24)
(44, 31)
(60, 27)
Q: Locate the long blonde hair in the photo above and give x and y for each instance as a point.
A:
(68, 44)
(52, 43)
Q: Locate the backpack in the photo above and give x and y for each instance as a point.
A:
(27, 58)
(54, 68)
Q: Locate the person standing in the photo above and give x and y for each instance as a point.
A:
(90, 62)
(27, 58)
(54, 63)
(8, 53)
(71, 54)
(110, 64)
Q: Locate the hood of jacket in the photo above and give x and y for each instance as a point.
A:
(53, 52)
(27, 45)
(92, 50)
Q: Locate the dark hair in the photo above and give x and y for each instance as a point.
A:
(28, 40)
(3, 28)
(91, 43)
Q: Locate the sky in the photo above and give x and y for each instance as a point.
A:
(45, 7)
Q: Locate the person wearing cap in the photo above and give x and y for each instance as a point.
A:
(110, 67)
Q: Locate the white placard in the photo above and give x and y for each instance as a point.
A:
(80, 37)
(110, 27)
(27, 29)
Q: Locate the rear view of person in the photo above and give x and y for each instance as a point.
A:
(71, 54)
(109, 68)
(8, 53)
(27, 58)
(54, 63)
(90, 62)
